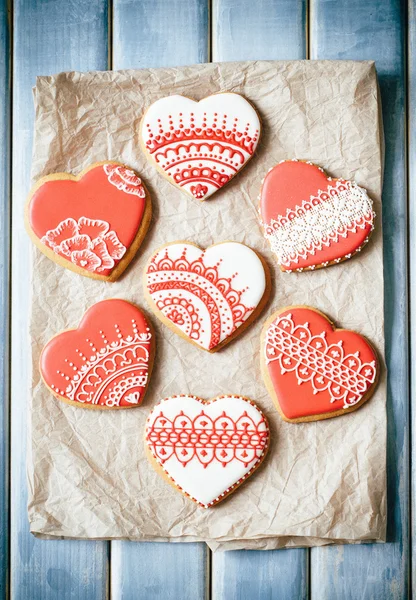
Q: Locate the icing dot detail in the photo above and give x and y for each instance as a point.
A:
(178, 139)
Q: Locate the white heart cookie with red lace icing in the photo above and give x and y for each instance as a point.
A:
(206, 448)
(207, 296)
(200, 146)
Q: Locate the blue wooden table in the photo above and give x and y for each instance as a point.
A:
(47, 36)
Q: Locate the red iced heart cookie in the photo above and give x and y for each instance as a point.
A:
(92, 224)
(207, 296)
(312, 220)
(206, 449)
(200, 146)
(312, 370)
(106, 362)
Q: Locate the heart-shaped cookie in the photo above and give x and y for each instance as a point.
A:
(207, 296)
(312, 370)
(206, 449)
(92, 224)
(106, 362)
(200, 146)
(310, 219)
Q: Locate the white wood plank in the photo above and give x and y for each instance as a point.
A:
(270, 30)
(156, 33)
(375, 29)
(4, 292)
(49, 37)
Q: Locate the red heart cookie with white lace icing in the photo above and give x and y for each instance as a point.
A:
(200, 146)
(312, 370)
(206, 296)
(206, 449)
(106, 362)
(312, 220)
(92, 224)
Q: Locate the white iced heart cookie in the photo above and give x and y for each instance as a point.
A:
(206, 448)
(200, 146)
(207, 296)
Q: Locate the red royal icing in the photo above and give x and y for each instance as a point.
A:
(204, 439)
(310, 219)
(314, 369)
(105, 361)
(91, 222)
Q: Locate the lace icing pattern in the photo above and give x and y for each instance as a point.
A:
(319, 222)
(324, 366)
(214, 435)
(117, 371)
(191, 294)
(203, 156)
(207, 440)
(125, 180)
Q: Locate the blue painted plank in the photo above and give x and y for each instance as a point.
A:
(375, 29)
(258, 30)
(156, 33)
(158, 571)
(270, 30)
(4, 292)
(159, 33)
(49, 36)
(252, 574)
(412, 251)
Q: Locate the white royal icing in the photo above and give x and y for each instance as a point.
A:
(125, 180)
(208, 293)
(201, 145)
(320, 221)
(207, 448)
(96, 251)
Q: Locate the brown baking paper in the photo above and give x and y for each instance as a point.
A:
(322, 482)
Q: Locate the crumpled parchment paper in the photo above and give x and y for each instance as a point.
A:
(322, 482)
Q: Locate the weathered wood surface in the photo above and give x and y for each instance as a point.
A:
(49, 36)
(159, 34)
(56, 35)
(411, 162)
(245, 30)
(5, 98)
(376, 30)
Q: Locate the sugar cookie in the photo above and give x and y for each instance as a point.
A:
(206, 449)
(200, 146)
(106, 362)
(313, 370)
(207, 296)
(312, 220)
(93, 223)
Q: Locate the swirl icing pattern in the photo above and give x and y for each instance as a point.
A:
(200, 146)
(106, 362)
(205, 294)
